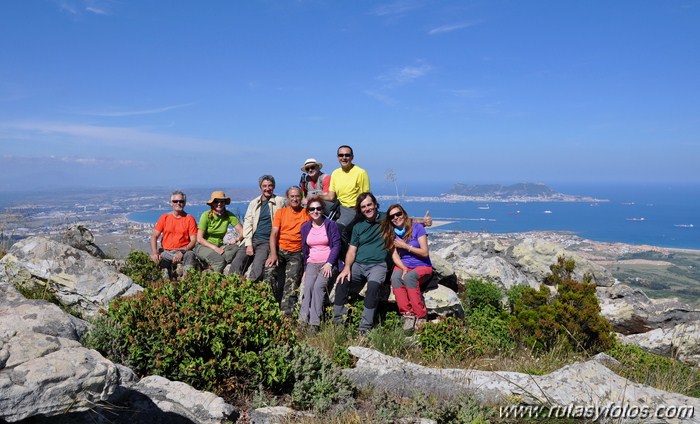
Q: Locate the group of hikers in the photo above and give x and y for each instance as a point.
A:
(328, 226)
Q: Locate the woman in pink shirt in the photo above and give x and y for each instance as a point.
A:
(320, 246)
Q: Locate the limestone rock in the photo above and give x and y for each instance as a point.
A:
(271, 415)
(443, 273)
(81, 238)
(43, 368)
(79, 281)
(444, 302)
(510, 261)
(180, 399)
(582, 383)
(630, 311)
(681, 342)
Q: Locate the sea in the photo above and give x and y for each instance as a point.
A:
(659, 214)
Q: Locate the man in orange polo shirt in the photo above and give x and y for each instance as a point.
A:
(285, 259)
(179, 231)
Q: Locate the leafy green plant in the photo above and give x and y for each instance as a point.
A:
(488, 331)
(210, 331)
(318, 383)
(514, 294)
(107, 335)
(478, 293)
(654, 370)
(449, 337)
(389, 337)
(458, 409)
(540, 320)
(141, 269)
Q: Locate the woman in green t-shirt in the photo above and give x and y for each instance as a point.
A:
(212, 228)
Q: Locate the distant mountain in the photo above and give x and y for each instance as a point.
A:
(498, 190)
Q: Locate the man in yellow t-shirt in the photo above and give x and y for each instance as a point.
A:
(347, 182)
(285, 259)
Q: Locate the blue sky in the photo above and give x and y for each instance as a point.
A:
(216, 93)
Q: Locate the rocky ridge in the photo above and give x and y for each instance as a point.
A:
(57, 374)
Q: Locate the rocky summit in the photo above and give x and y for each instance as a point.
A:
(46, 375)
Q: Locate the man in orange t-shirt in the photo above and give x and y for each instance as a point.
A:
(179, 231)
(285, 259)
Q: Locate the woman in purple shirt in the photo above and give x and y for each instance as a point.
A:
(320, 245)
(408, 242)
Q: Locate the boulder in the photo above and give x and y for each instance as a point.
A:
(630, 311)
(272, 415)
(509, 260)
(443, 301)
(46, 374)
(43, 368)
(176, 399)
(681, 342)
(81, 238)
(582, 383)
(443, 273)
(82, 283)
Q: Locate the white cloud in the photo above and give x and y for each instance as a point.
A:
(406, 75)
(466, 93)
(399, 7)
(79, 7)
(451, 27)
(71, 160)
(84, 134)
(383, 98)
(138, 112)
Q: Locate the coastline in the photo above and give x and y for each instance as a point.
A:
(452, 198)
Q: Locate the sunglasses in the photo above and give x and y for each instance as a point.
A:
(344, 155)
(316, 209)
(219, 201)
(395, 215)
(310, 168)
(182, 202)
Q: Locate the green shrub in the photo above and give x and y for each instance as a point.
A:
(488, 331)
(107, 335)
(389, 337)
(655, 370)
(141, 269)
(210, 331)
(478, 293)
(515, 294)
(449, 338)
(541, 320)
(458, 409)
(318, 383)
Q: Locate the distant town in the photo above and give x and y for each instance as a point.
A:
(105, 211)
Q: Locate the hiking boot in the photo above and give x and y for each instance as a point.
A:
(420, 323)
(408, 322)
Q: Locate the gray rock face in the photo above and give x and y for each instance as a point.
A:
(46, 374)
(681, 342)
(582, 383)
(443, 301)
(271, 415)
(630, 311)
(81, 238)
(43, 368)
(510, 261)
(178, 399)
(79, 281)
